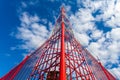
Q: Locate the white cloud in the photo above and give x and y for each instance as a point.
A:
(115, 34)
(26, 19)
(85, 15)
(31, 32)
(80, 24)
(109, 11)
(96, 34)
(83, 38)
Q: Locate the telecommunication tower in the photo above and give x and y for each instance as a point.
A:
(61, 57)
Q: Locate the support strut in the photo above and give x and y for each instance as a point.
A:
(62, 55)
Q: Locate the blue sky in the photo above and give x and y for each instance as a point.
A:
(25, 25)
(8, 23)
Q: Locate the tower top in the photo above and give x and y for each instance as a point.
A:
(62, 10)
(62, 13)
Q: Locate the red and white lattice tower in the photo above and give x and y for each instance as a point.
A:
(61, 57)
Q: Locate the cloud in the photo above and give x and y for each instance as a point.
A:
(96, 34)
(108, 9)
(31, 32)
(115, 34)
(83, 38)
(110, 13)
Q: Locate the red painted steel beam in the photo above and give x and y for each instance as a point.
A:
(19, 68)
(106, 72)
(62, 55)
(15, 70)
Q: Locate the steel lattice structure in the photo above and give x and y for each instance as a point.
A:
(61, 57)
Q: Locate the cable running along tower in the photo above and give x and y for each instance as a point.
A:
(61, 57)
